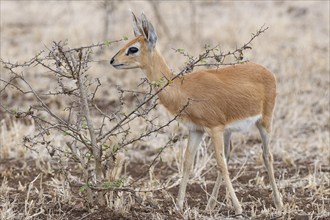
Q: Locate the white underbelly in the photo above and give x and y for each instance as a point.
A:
(242, 125)
(236, 126)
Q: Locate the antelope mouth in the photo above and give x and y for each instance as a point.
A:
(117, 65)
(124, 66)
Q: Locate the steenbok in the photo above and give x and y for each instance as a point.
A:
(220, 101)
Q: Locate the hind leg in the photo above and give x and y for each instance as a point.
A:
(218, 142)
(268, 160)
(227, 143)
(213, 199)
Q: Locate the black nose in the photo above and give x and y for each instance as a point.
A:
(112, 60)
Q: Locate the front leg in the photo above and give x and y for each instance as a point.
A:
(213, 199)
(194, 139)
(217, 138)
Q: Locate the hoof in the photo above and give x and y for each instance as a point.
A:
(279, 205)
(178, 207)
(278, 201)
(239, 212)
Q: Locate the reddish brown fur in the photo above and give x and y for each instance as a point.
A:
(219, 97)
(216, 97)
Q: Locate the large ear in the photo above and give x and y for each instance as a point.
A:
(149, 31)
(136, 25)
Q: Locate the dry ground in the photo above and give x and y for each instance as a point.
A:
(295, 48)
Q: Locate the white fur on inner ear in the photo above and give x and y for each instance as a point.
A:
(149, 31)
(144, 26)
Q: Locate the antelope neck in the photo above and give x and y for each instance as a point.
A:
(156, 67)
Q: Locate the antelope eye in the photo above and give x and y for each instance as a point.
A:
(132, 50)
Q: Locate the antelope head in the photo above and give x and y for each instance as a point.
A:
(138, 51)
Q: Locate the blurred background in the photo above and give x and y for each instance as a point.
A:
(295, 48)
(28, 26)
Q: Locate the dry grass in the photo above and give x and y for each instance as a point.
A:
(295, 48)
